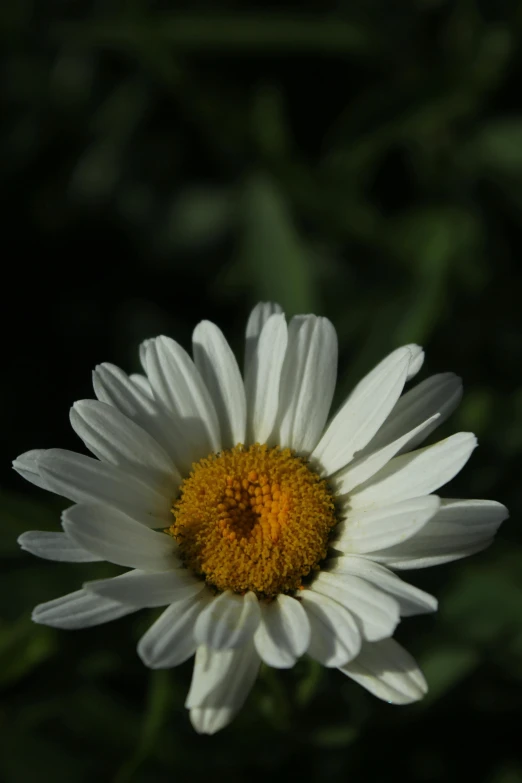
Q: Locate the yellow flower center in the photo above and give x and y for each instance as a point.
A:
(253, 518)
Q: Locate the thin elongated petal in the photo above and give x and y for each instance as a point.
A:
(228, 621)
(411, 600)
(221, 681)
(218, 367)
(307, 382)
(388, 671)
(114, 387)
(371, 529)
(170, 640)
(376, 613)
(80, 609)
(363, 412)
(142, 383)
(283, 634)
(55, 546)
(417, 360)
(27, 466)
(263, 379)
(418, 473)
(178, 385)
(115, 537)
(86, 480)
(335, 635)
(460, 528)
(147, 589)
(438, 396)
(114, 438)
(257, 319)
(365, 466)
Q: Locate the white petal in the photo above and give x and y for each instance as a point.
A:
(363, 412)
(143, 354)
(113, 536)
(228, 621)
(376, 613)
(170, 640)
(147, 589)
(263, 379)
(335, 635)
(114, 438)
(178, 385)
(142, 383)
(283, 634)
(218, 367)
(366, 465)
(418, 473)
(257, 319)
(460, 528)
(389, 672)
(366, 530)
(113, 386)
(439, 394)
(27, 466)
(221, 681)
(86, 480)
(307, 382)
(55, 546)
(411, 600)
(79, 610)
(417, 360)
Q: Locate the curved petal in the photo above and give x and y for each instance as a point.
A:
(460, 528)
(142, 383)
(55, 546)
(389, 672)
(170, 640)
(263, 379)
(283, 634)
(411, 600)
(114, 387)
(111, 535)
(335, 636)
(27, 466)
(147, 589)
(79, 610)
(218, 367)
(86, 480)
(376, 613)
(367, 465)
(372, 529)
(417, 360)
(418, 473)
(221, 681)
(178, 385)
(228, 621)
(364, 411)
(257, 319)
(114, 438)
(307, 382)
(438, 396)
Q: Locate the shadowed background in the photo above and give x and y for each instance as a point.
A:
(160, 165)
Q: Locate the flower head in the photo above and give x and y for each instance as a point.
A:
(268, 528)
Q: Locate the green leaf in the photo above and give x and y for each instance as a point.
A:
(274, 257)
(444, 667)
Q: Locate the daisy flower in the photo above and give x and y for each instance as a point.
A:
(266, 526)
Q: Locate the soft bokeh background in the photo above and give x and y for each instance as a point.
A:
(361, 159)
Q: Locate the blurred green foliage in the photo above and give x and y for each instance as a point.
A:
(161, 164)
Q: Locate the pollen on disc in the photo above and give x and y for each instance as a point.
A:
(254, 518)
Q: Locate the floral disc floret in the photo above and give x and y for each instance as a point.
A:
(253, 519)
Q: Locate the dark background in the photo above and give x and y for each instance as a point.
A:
(162, 163)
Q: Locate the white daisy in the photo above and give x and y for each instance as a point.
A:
(267, 529)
